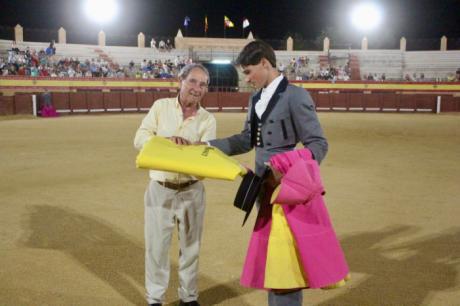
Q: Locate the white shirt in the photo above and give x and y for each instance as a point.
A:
(266, 95)
(166, 119)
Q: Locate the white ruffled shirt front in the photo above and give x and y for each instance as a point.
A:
(266, 95)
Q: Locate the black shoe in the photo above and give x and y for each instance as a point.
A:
(192, 303)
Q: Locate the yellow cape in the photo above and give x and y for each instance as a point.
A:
(200, 160)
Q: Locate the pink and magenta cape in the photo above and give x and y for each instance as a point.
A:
(301, 196)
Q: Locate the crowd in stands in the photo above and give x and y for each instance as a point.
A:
(162, 45)
(298, 69)
(45, 63)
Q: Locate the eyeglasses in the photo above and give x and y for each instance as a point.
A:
(194, 82)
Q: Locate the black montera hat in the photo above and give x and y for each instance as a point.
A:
(247, 192)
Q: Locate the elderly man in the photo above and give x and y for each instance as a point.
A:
(171, 198)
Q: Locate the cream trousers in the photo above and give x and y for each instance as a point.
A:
(164, 209)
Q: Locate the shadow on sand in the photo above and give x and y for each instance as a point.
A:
(109, 254)
(399, 273)
(395, 273)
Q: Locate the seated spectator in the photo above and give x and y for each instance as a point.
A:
(34, 71)
(162, 45)
(169, 45)
(2, 66)
(408, 78)
(281, 68)
(43, 72)
(71, 72)
(14, 47)
(21, 70)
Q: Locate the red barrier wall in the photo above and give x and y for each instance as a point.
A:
(23, 104)
(211, 100)
(355, 101)
(60, 101)
(112, 101)
(6, 106)
(77, 101)
(128, 101)
(450, 104)
(145, 99)
(93, 101)
(234, 99)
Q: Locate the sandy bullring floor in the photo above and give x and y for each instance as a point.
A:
(71, 213)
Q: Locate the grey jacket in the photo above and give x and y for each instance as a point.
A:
(290, 118)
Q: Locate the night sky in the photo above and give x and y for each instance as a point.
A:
(269, 19)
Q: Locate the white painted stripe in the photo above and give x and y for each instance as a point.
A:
(372, 108)
(438, 104)
(212, 108)
(339, 108)
(63, 111)
(80, 110)
(130, 109)
(144, 108)
(356, 108)
(323, 108)
(114, 109)
(424, 110)
(389, 109)
(97, 110)
(406, 109)
(231, 107)
(34, 105)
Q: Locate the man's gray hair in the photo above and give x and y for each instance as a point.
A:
(185, 71)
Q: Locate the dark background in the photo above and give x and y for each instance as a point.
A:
(307, 20)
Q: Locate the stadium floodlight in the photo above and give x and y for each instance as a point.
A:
(221, 61)
(366, 16)
(101, 11)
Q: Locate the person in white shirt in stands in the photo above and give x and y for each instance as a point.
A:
(153, 44)
(172, 199)
(162, 45)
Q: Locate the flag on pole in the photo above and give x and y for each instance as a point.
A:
(228, 23)
(186, 21)
(206, 24)
(245, 23)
